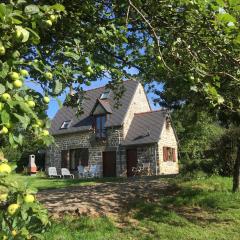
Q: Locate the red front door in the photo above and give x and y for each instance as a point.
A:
(109, 164)
(131, 161)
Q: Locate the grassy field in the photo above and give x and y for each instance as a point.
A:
(197, 209)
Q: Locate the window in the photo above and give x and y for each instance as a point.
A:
(105, 94)
(100, 122)
(72, 158)
(169, 154)
(66, 124)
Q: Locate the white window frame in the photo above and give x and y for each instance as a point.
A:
(105, 94)
(68, 122)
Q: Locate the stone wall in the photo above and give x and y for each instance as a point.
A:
(168, 139)
(139, 104)
(85, 140)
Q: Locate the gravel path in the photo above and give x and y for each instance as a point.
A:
(102, 198)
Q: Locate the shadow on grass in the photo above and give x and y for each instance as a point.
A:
(179, 205)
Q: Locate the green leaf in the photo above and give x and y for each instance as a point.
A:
(58, 7)
(72, 55)
(57, 87)
(226, 17)
(11, 139)
(16, 21)
(18, 139)
(5, 10)
(4, 69)
(2, 89)
(31, 9)
(5, 117)
(33, 32)
(23, 119)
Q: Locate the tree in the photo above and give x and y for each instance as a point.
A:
(22, 109)
(197, 132)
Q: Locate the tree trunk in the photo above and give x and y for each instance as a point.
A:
(236, 170)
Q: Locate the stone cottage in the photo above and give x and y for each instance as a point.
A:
(116, 139)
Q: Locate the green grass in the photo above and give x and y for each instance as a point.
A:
(197, 209)
(53, 183)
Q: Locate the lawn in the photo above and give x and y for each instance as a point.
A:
(200, 209)
(41, 183)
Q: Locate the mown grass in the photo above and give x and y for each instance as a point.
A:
(41, 183)
(197, 209)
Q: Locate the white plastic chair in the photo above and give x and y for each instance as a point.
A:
(66, 173)
(52, 172)
(94, 171)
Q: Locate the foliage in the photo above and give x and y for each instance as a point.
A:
(21, 216)
(226, 151)
(197, 131)
(22, 109)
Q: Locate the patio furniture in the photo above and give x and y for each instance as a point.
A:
(80, 171)
(146, 169)
(86, 171)
(143, 170)
(66, 173)
(136, 171)
(94, 171)
(52, 172)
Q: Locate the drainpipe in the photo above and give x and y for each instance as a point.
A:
(156, 164)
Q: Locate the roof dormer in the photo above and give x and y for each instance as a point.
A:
(101, 107)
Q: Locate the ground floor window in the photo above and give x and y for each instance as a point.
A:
(72, 158)
(169, 154)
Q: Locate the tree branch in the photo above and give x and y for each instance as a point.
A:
(153, 31)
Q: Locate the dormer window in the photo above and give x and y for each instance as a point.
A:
(66, 124)
(105, 94)
(100, 126)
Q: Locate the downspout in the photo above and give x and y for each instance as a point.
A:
(156, 165)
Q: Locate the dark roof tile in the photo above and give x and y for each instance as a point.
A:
(145, 128)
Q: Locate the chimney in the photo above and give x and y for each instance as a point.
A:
(32, 168)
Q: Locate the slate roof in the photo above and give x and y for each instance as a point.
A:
(84, 121)
(145, 128)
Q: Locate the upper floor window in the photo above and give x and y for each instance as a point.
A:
(105, 94)
(66, 124)
(100, 126)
